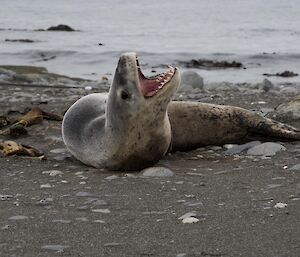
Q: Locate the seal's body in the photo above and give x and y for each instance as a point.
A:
(136, 123)
(197, 124)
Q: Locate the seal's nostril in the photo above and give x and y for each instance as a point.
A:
(125, 95)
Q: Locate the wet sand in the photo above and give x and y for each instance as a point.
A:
(81, 211)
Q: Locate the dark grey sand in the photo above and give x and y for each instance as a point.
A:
(80, 211)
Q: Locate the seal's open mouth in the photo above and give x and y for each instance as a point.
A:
(151, 85)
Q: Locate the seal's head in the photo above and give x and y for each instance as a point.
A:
(137, 110)
(132, 92)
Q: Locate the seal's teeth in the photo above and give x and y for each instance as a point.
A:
(162, 83)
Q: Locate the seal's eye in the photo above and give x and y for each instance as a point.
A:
(125, 95)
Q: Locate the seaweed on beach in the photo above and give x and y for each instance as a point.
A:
(210, 64)
(13, 148)
(17, 127)
(285, 74)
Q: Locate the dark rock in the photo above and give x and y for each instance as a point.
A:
(61, 27)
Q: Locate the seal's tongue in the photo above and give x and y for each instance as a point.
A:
(150, 86)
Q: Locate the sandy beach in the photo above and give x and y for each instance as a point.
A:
(216, 201)
(245, 205)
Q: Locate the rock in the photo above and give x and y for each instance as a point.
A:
(287, 112)
(266, 85)
(289, 90)
(240, 148)
(157, 172)
(266, 149)
(61, 27)
(295, 167)
(223, 86)
(192, 79)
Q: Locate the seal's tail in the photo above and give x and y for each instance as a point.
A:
(275, 129)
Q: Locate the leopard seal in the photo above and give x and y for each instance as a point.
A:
(137, 123)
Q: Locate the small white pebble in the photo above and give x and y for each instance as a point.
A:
(280, 205)
(190, 220)
(45, 186)
(101, 210)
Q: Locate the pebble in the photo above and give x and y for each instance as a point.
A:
(5, 227)
(46, 186)
(85, 194)
(59, 150)
(223, 86)
(101, 211)
(237, 149)
(190, 220)
(5, 197)
(18, 217)
(111, 177)
(157, 172)
(62, 221)
(53, 173)
(295, 167)
(112, 244)
(289, 90)
(280, 205)
(181, 255)
(57, 248)
(99, 221)
(188, 215)
(266, 149)
(82, 219)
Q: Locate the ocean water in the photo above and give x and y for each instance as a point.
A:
(262, 34)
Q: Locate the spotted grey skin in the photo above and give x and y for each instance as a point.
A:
(209, 124)
(124, 130)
